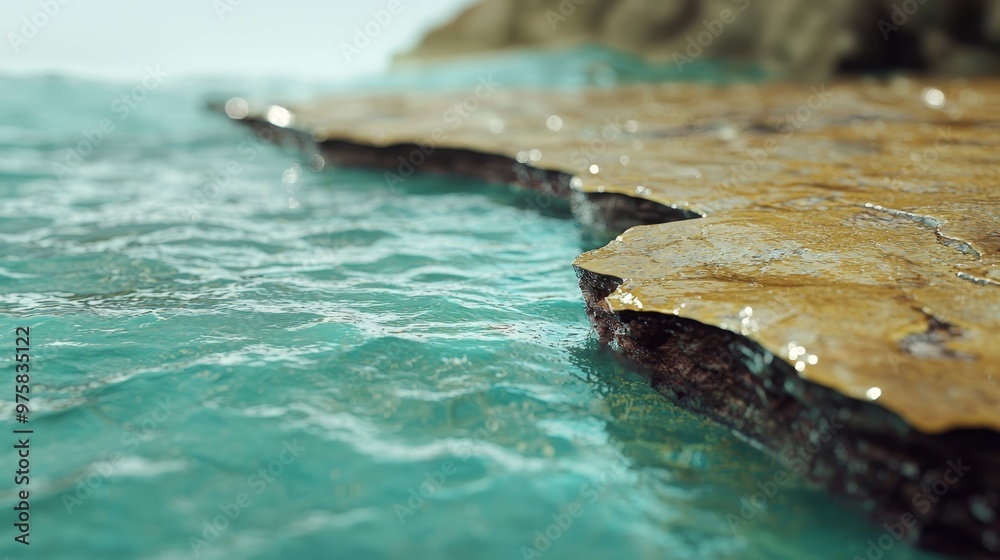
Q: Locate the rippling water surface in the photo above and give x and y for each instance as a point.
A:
(301, 364)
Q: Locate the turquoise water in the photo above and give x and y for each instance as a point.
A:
(322, 367)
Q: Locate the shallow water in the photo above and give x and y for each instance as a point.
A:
(324, 367)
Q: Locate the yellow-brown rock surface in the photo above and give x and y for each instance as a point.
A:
(851, 229)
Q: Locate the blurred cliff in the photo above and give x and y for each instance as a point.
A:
(798, 39)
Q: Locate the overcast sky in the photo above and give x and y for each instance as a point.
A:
(251, 38)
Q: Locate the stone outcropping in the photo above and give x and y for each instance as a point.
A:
(826, 279)
(801, 40)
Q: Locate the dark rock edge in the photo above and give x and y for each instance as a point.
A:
(848, 447)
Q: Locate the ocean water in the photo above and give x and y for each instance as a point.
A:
(278, 362)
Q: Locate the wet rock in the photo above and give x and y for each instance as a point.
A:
(826, 283)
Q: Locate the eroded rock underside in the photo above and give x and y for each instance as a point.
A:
(817, 269)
